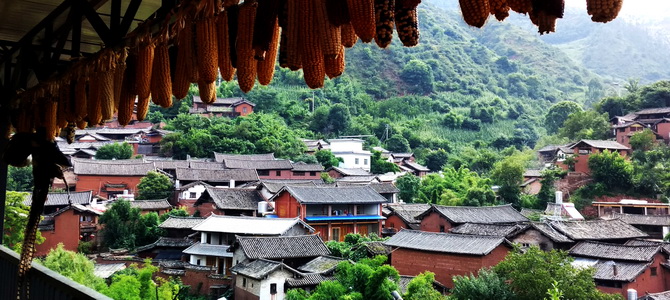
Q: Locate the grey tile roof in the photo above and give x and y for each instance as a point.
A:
(489, 229)
(173, 272)
(651, 220)
(128, 167)
(341, 195)
(601, 144)
(158, 204)
(377, 248)
(548, 148)
(220, 157)
(206, 165)
(615, 251)
(660, 110)
(282, 247)
(275, 164)
(224, 101)
(526, 212)
(416, 167)
(478, 214)
(597, 230)
(171, 164)
(258, 269)
(656, 296)
(208, 250)
(357, 179)
(105, 271)
(216, 175)
(638, 242)
(306, 280)
(384, 188)
(446, 242)
(551, 233)
(59, 199)
(173, 222)
(626, 271)
(226, 198)
(321, 264)
(249, 225)
(274, 186)
(408, 212)
(350, 171)
(167, 242)
(303, 167)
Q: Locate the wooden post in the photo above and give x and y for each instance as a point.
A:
(4, 124)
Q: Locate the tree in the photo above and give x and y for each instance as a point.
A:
(651, 171)
(353, 246)
(418, 76)
(408, 185)
(421, 288)
(154, 186)
(508, 173)
(611, 169)
(134, 283)
(548, 191)
(378, 165)
(487, 285)
(175, 212)
(327, 159)
(558, 113)
(435, 160)
(115, 151)
(16, 219)
(397, 144)
(532, 273)
(73, 265)
(585, 125)
(339, 119)
(643, 140)
(452, 187)
(306, 158)
(125, 227)
(20, 179)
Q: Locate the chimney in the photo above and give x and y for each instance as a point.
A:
(615, 270)
(559, 197)
(632, 294)
(232, 183)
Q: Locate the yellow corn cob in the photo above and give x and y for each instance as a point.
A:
(407, 25)
(349, 37)
(185, 67)
(499, 9)
(80, 98)
(107, 95)
(264, 24)
(475, 12)
(94, 114)
(207, 92)
(314, 69)
(142, 108)
(82, 124)
(161, 86)
(145, 58)
(329, 34)
(225, 65)
(384, 18)
(408, 4)
(546, 23)
(246, 64)
(128, 94)
(119, 70)
(603, 11)
(266, 67)
(335, 66)
(50, 115)
(206, 49)
(293, 39)
(362, 14)
(521, 6)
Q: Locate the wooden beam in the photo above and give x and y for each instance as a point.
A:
(115, 16)
(98, 24)
(76, 28)
(128, 18)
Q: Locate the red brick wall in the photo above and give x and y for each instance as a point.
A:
(240, 109)
(334, 174)
(663, 129)
(444, 265)
(582, 164)
(645, 283)
(66, 231)
(433, 221)
(393, 221)
(97, 183)
(205, 209)
(288, 174)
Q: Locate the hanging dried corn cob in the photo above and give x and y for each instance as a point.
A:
(545, 13)
(107, 87)
(475, 12)
(206, 44)
(384, 18)
(145, 58)
(603, 11)
(118, 75)
(362, 14)
(266, 68)
(349, 37)
(128, 91)
(264, 27)
(335, 66)
(80, 97)
(207, 92)
(282, 48)
(161, 86)
(233, 16)
(407, 25)
(246, 64)
(521, 6)
(225, 65)
(94, 113)
(338, 13)
(293, 38)
(499, 9)
(185, 67)
(50, 110)
(329, 34)
(314, 69)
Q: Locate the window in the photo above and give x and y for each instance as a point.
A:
(441, 228)
(298, 173)
(299, 211)
(263, 173)
(197, 262)
(244, 110)
(392, 225)
(365, 161)
(273, 288)
(653, 271)
(525, 245)
(278, 173)
(192, 195)
(209, 238)
(356, 161)
(244, 282)
(312, 173)
(335, 236)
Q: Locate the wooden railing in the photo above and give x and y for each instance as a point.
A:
(44, 283)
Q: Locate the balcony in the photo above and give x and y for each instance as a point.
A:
(44, 283)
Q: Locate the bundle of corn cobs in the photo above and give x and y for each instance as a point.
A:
(543, 13)
(201, 39)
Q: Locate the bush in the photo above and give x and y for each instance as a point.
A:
(471, 124)
(86, 247)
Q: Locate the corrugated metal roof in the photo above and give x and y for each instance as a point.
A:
(208, 250)
(249, 225)
(615, 251)
(446, 242)
(282, 247)
(341, 195)
(478, 214)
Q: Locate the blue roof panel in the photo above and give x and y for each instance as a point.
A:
(344, 218)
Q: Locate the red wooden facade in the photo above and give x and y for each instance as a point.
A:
(107, 186)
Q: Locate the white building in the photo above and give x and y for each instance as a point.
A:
(351, 151)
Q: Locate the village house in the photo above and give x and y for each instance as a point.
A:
(352, 153)
(631, 206)
(439, 218)
(222, 107)
(407, 162)
(531, 182)
(385, 189)
(159, 206)
(337, 172)
(536, 234)
(583, 149)
(614, 230)
(445, 254)
(228, 201)
(268, 188)
(624, 131)
(180, 227)
(656, 296)
(110, 178)
(656, 119)
(332, 211)
(403, 216)
(277, 168)
(214, 177)
(656, 226)
(57, 201)
(294, 251)
(68, 226)
(622, 267)
(315, 145)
